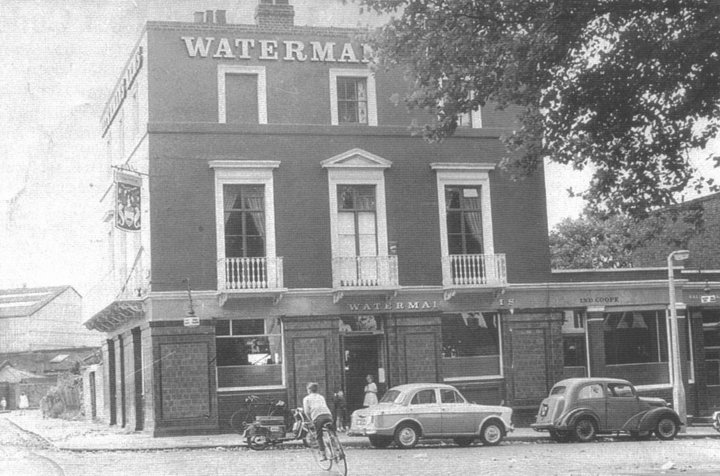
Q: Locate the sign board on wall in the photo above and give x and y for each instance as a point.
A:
(191, 321)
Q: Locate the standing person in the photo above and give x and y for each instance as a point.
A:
(3, 404)
(317, 410)
(23, 402)
(340, 415)
(371, 391)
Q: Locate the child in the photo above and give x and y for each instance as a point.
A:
(371, 391)
(340, 410)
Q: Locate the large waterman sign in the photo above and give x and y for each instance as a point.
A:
(284, 50)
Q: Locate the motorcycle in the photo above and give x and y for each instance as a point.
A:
(270, 430)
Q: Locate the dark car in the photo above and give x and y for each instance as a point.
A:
(581, 408)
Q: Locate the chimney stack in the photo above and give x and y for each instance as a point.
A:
(218, 17)
(274, 13)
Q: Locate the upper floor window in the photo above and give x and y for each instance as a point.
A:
(358, 222)
(242, 94)
(244, 220)
(245, 225)
(352, 100)
(464, 219)
(352, 97)
(466, 236)
(357, 225)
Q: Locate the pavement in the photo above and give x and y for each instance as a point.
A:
(82, 435)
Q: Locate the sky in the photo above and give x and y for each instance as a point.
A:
(60, 62)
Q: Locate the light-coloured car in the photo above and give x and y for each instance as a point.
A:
(407, 413)
(581, 408)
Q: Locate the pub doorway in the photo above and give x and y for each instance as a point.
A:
(361, 357)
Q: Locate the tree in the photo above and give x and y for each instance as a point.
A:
(595, 240)
(626, 86)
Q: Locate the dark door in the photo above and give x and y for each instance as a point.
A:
(360, 360)
(93, 396)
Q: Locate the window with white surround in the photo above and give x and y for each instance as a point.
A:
(358, 222)
(249, 353)
(242, 94)
(466, 235)
(352, 97)
(245, 216)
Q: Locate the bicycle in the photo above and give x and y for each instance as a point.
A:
(334, 451)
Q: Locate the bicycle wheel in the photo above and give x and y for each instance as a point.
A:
(338, 453)
(240, 419)
(324, 464)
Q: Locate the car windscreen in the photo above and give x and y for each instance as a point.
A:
(559, 390)
(392, 396)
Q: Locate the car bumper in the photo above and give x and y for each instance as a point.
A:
(544, 426)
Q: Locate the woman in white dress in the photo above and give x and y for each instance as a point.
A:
(370, 392)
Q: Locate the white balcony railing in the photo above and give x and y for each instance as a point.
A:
(365, 272)
(250, 274)
(474, 270)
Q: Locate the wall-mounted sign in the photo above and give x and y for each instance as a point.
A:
(120, 92)
(705, 299)
(191, 321)
(599, 300)
(127, 201)
(394, 306)
(285, 50)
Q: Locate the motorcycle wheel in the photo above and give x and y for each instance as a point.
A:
(258, 442)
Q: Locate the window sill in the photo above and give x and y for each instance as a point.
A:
(247, 389)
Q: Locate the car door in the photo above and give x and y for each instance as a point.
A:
(622, 406)
(458, 417)
(424, 407)
(592, 396)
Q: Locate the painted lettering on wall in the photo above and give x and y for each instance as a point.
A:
(394, 306)
(599, 300)
(120, 92)
(273, 50)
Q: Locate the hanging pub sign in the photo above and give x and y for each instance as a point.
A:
(127, 201)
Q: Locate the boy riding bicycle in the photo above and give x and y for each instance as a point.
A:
(317, 410)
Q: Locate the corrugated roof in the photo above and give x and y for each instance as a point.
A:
(24, 302)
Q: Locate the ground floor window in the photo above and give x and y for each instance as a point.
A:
(635, 337)
(574, 343)
(636, 346)
(471, 345)
(249, 353)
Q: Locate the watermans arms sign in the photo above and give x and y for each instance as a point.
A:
(285, 50)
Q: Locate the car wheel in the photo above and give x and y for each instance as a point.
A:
(463, 441)
(584, 430)
(380, 441)
(640, 435)
(407, 436)
(560, 436)
(666, 428)
(491, 434)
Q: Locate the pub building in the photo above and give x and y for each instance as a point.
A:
(271, 221)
